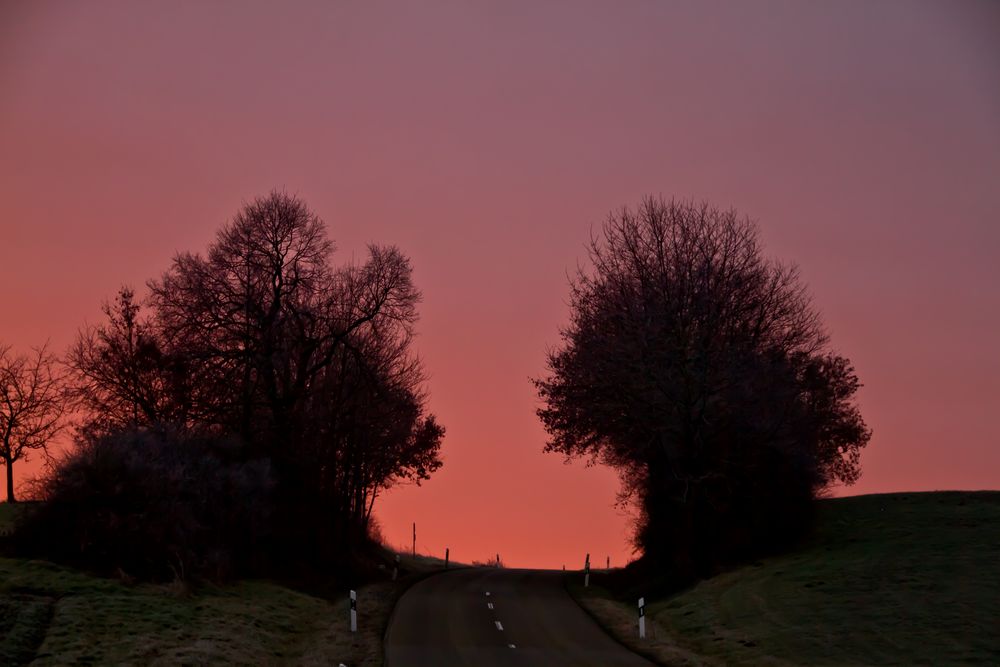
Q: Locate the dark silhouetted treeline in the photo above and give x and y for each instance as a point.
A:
(246, 414)
(701, 372)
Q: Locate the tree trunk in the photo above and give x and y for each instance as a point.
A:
(10, 481)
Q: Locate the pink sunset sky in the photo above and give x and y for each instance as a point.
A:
(487, 139)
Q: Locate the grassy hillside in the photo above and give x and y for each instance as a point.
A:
(8, 513)
(52, 615)
(887, 579)
(57, 616)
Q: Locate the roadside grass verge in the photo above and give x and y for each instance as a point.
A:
(54, 615)
(423, 564)
(907, 578)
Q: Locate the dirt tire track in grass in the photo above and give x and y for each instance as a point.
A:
(26, 618)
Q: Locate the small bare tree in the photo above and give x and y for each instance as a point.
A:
(119, 373)
(31, 406)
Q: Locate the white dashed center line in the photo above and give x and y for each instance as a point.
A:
(511, 645)
(490, 605)
(499, 627)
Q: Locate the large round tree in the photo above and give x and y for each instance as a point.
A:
(700, 370)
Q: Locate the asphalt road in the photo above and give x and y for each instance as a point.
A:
(483, 617)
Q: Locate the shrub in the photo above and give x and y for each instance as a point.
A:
(153, 503)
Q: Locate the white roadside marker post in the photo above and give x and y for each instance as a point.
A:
(395, 568)
(586, 572)
(354, 611)
(642, 618)
(498, 561)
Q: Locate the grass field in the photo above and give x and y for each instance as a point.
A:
(909, 578)
(54, 616)
(8, 513)
(51, 615)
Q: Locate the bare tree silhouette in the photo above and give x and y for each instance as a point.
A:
(121, 375)
(701, 372)
(31, 406)
(262, 351)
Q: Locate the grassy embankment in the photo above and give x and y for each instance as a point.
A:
(51, 615)
(911, 578)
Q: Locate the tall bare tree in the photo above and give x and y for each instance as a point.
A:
(263, 313)
(700, 371)
(368, 426)
(31, 406)
(264, 322)
(280, 359)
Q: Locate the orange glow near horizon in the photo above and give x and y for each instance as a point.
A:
(486, 141)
